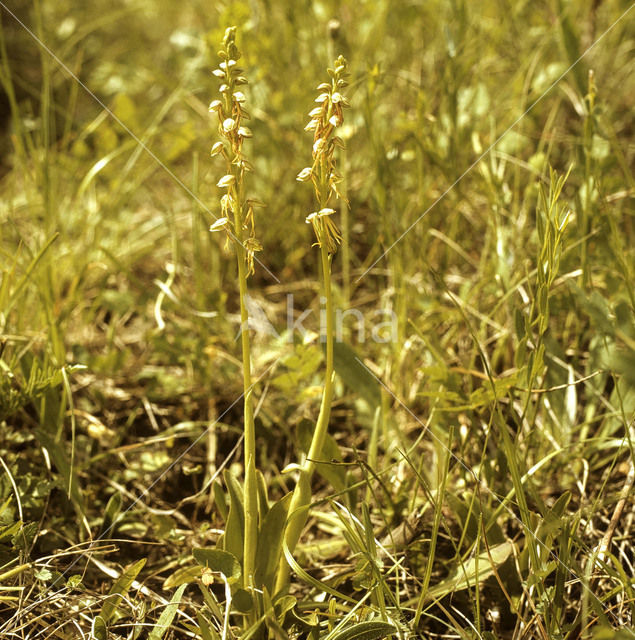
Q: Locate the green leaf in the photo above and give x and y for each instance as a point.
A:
(284, 604)
(243, 601)
(183, 575)
(100, 630)
(211, 602)
(270, 539)
(207, 631)
(606, 633)
(334, 474)
(371, 630)
(219, 561)
(301, 365)
(43, 574)
(465, 574)
(15, 292)
(263, 500)
(355, 374)
(596, 307)
(60, 459)
(235, 526)
(314, 582)
(520, 324)
(119, 589)
(23, 539)
(101, 164)
(469, 513)
(165, 619)
(10, 531)
(112, 510)
(75, 582)
(622, 361)
(219, 499)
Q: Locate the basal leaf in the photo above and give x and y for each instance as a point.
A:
(112, 510)
(467, 572)
(166, 618)
(270, 542)
(371, 630)
(219, 561)
(207, 630)
(100, 630)
(183, 575)
(119, 589)
(235, 527)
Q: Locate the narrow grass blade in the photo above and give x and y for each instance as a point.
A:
(371, 630)
(111, 513)
(119, 589)
(25, 278)
(314, 582)
(166, 618)
(479, 567)
(60, 459)
(207, 630)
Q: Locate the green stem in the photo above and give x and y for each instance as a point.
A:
(319, 435)
(531, 540)
(346, 241)
(250, 490)
(298, 508)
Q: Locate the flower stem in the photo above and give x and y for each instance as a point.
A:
(298, 508)
(250, 490)
(324, 120)
(241, 233)
(319, 435)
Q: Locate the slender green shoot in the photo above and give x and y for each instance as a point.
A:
(238, 221)
(325, 118)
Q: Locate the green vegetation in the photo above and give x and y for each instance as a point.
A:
(412, 417)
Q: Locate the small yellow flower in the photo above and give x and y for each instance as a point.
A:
(217, 148)
(237, 217)
(229, 124)
(304, 175)
(219, 225)
(251, 246)
(226, 181)
(325, 118)
(325, 229)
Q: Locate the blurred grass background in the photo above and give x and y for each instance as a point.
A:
(118, 308)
